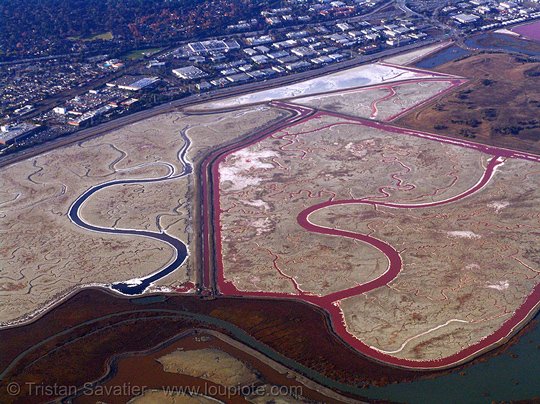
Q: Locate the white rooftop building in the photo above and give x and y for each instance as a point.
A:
(466, 18)
(189, 73)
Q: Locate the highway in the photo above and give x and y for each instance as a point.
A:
(213, 279)
(119, 122)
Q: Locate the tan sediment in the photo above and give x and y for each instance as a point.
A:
(467, 265)
(209, 364)
(45, 255)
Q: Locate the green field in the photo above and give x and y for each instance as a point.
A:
(105, 36)
(140, 53)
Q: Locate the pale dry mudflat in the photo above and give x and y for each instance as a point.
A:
(45, 255)
(269, 396)
(264, 396)
(364, 75)
(219, 367)
(114, 207)
(379, 103)
(415, 55)
(210, 364)
(467, 265)
(264, 187)
(164, 397)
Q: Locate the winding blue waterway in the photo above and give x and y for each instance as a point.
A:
(513, 375)
(181, 252)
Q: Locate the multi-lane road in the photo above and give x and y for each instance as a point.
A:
(119, 122)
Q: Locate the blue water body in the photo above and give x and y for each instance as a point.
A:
(444, 56)
(513, 375)
(181, 254)
(148, 300)
(180, 248)
(176, 244)
(504, 43)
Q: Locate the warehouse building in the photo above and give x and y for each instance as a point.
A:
(189, 73)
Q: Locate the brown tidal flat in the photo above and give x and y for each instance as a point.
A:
(100, 326)
(146, 370)
(44, 256)
(498, 106)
